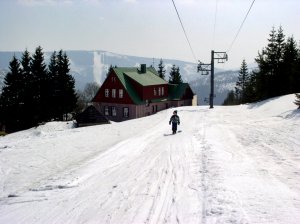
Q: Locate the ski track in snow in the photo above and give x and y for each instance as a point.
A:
(228, 165)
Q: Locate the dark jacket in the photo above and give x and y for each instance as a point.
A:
(174, 119)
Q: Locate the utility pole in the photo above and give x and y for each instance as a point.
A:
(206, 68)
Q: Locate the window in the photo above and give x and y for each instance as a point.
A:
(113, 79)
(120, 93)
(162, 91)
(113, 93)
(154, 92)
(125, 112)
(159, 91)
(106, 111)
(114, 111)
(106, 92)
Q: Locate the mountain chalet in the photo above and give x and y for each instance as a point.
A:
(129, 93)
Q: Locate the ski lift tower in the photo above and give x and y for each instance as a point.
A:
(221, 57)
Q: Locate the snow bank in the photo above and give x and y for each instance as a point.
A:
(237, 164)
(279, 106)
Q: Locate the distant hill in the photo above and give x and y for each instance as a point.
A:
(89, 66)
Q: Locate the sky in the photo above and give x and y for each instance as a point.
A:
(148, 28)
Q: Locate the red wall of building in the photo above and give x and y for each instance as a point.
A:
(147, 92)
(112, 82)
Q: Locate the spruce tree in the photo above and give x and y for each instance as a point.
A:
(54, 82)
(28, 86)
(65, 89)
(161, 69)
(278, 70)
(279, 75)
(250, 90)
(40, 87)
(241, 84)
(289, 68)
(230, 99)
(11, 100)
(175, 77)
(269, 62)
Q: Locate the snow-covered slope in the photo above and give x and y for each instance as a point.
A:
(235, 164)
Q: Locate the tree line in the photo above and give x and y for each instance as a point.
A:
(34, 92)
(278, 72)
(174, 76)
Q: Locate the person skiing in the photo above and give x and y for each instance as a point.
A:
(174, 120)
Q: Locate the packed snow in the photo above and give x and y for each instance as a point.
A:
(234, 164)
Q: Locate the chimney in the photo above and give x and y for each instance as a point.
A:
(143, 68)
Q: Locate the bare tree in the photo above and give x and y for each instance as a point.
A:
(86, 96)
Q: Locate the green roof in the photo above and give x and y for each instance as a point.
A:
(126, 83)
(148, 78)
(176, 91)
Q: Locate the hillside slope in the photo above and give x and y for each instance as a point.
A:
(237, 164)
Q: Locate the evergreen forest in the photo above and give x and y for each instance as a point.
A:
(278, 72)
(34, 92)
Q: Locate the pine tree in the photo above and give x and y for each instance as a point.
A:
(241, 84)
(27, 89)
(279, 75)
(250, 90)
(40, 87)
(230, 99)
(289, 68)
(267, 65)
(269, 61)
(54, 82)
(175, 77)
(11, 102)
(33, 94)
(65, 89)
(161, 69)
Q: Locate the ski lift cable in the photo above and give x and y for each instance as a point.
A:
(215, 23)
(185, 33)
(240, 27)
